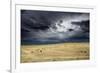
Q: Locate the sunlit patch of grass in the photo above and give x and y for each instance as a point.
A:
(54, 52)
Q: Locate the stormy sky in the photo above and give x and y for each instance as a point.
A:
(54, 27)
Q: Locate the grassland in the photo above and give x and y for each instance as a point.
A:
(54, 52)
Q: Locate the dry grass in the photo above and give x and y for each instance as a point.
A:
(54, 52)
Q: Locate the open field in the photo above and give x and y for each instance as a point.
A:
(54, 52)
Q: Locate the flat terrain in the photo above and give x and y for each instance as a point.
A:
(54, 52)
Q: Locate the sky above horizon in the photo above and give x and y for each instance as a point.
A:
(53, 26)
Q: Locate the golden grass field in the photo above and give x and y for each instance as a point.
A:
(54, 52)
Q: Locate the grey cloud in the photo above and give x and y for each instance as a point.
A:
(48, 26)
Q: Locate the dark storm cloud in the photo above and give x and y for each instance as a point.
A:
(83, 24)
(49, 26)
